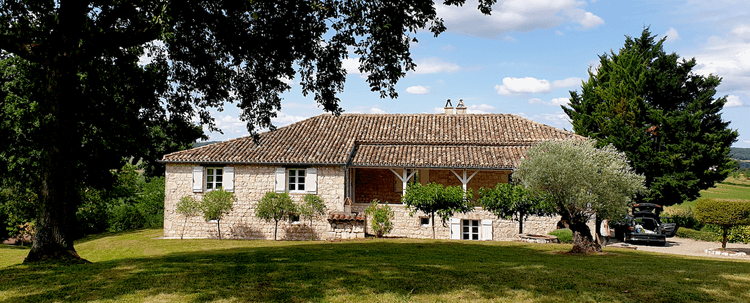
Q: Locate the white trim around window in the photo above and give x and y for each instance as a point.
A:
(214, 178)
(296, 180)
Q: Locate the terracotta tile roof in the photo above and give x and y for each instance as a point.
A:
(426, 140)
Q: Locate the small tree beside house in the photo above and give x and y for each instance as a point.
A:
(215, 204)
(312, 208)
(188, 207)
(434, 199)
(513, 202)
(276, 207)
(724, 213)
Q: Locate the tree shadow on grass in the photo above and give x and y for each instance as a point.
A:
(383, 269)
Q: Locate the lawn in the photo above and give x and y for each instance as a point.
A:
(136, 267)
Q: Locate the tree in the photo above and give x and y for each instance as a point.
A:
(652, 106)
(434, 199)
(215, 204)
(204, 54)
(188, 207)
(512, 202)
(381, 218)
(312, 208)
(724, 213)
(276, 207)
(578, 181)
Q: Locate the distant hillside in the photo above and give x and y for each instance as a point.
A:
(742, 155)
(199, 144)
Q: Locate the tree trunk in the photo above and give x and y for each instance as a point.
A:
(724, 230)
(58, 196)
(218, 227)
(275, 229)
(583, 242)
(432, 222)
(183, 228)
(520, 222)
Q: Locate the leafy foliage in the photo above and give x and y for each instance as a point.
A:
(434, 199)
(563, 234)
(580, 180)
(312, 208)
(275, 206)
(381, 218)
(215, 204)
(510, 201)
(653, 107)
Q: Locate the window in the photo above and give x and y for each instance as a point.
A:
(398, 184)
(294, 218)
(424, 221)
(296, 179)
(470, 229)
(214, 177)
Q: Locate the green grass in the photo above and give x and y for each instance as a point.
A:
(731, 188)
(135, 267)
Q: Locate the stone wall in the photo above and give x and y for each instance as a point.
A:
(251, 182)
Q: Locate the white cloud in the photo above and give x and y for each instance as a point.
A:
(554, 102)
(448, 48)
(672, 35)
(418, 90)
(517, 15)
(733, 101)
(727, 57)
(435, 65)
(283, 119)
(351, 65)
(480, 109)
(531, 85)
(376, 110)
(559, 33)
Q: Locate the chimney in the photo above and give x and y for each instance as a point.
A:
(460, 108)
(448, 107)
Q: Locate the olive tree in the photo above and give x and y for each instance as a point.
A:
(276, 207)
(724, 213)
(434, 199)
(215, 204)
(578, 181)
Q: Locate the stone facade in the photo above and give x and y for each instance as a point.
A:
(251, 182)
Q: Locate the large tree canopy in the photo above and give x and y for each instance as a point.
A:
(95, 104)
(652, 106)
(578, 181)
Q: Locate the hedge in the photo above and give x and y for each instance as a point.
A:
(697, 235)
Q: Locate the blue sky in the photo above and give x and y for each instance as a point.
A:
(525, 58)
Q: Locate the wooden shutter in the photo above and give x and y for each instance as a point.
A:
(229, 179)
(311, 180)
(455, 228)
(486, 230)
(197, 179)
(280, 180)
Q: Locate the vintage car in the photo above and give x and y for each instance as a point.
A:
(645, 225)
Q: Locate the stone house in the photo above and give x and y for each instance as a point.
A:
(351, 160)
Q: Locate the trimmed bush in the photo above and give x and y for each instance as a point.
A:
(381, 218)
(697, 235)
(724, 213)
(564, 235)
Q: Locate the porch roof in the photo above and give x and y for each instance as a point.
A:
(439, 156)
(425, 140)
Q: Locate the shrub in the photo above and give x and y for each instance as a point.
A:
(564, 235)
(685, 218)
(312, 208)
(188, 207)
(696, 235)
(724, 213)
(736, 234)
(381, 218)
(150, 203)
(124, 216)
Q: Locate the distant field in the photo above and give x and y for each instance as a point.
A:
(731, 188)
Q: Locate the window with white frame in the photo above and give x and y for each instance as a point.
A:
(214, 177)
(296, 182)
(470, 229)
(424, 221)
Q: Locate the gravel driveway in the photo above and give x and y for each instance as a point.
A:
(690, 247)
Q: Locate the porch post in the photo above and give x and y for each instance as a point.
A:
(464, 180)
(404, 178)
